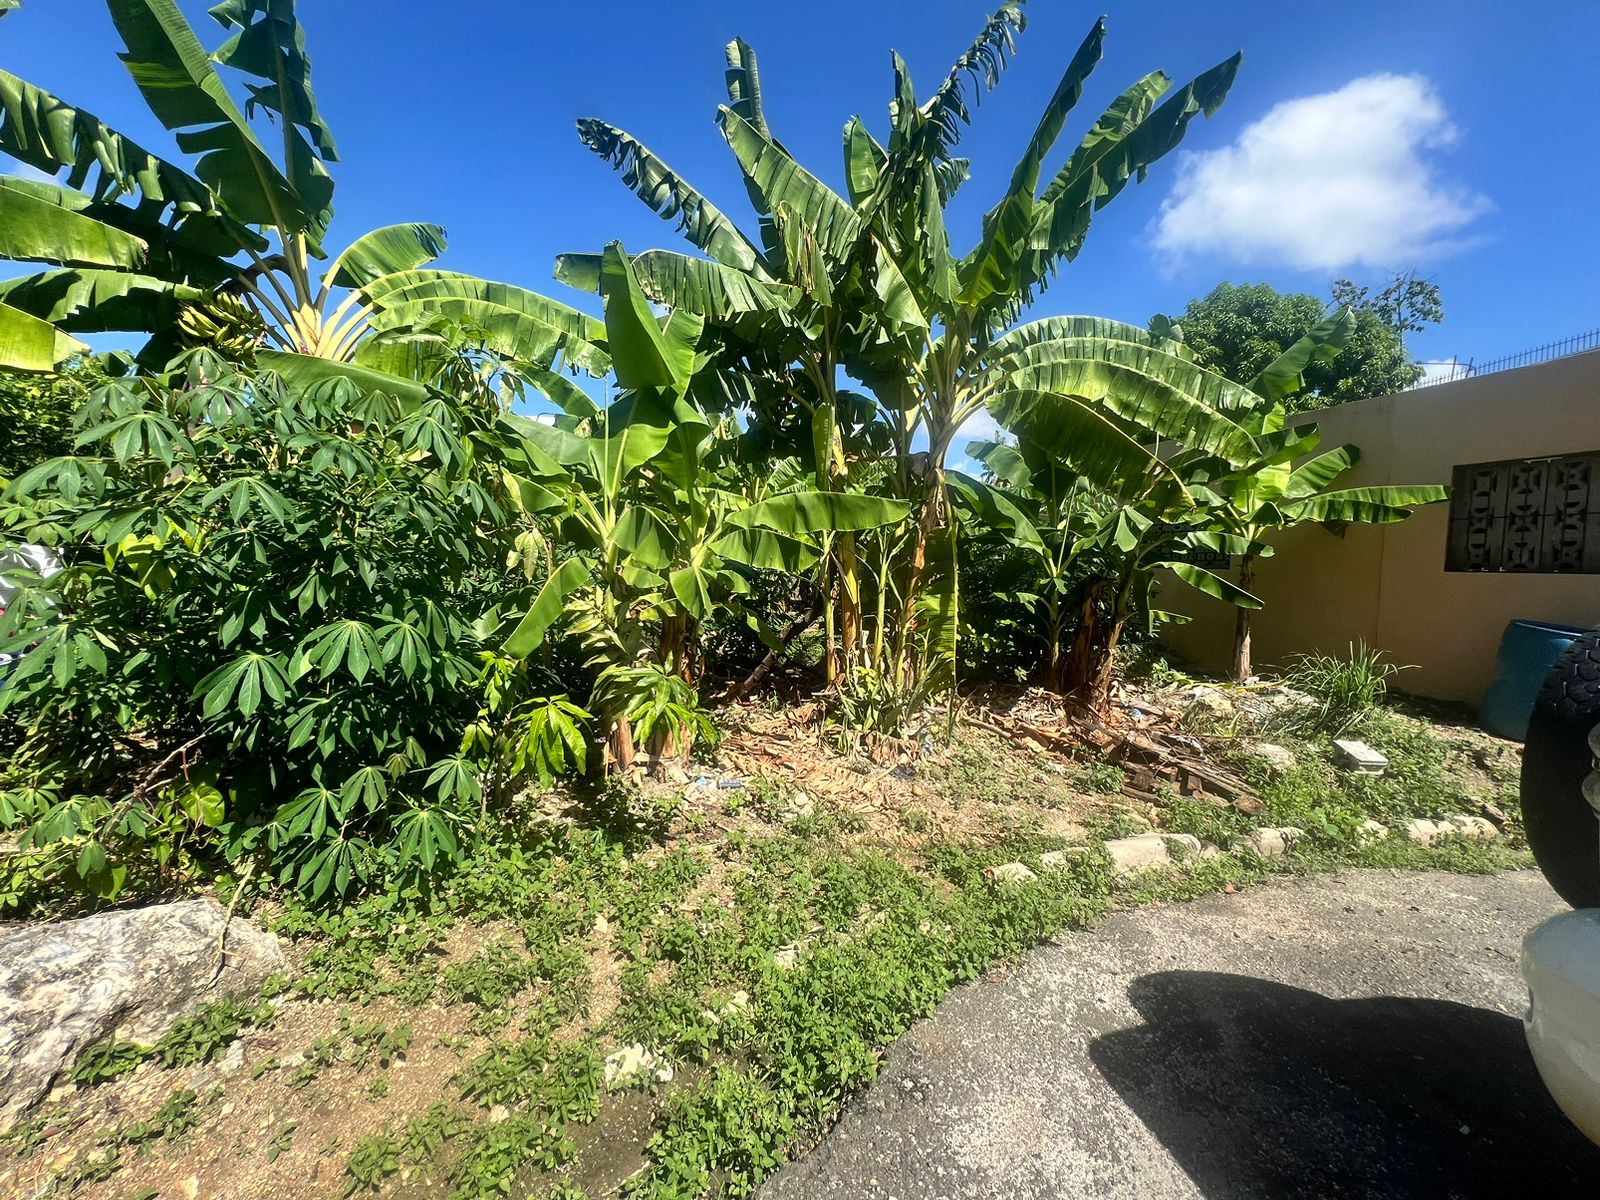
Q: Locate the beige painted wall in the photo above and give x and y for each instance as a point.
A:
(1387, 584)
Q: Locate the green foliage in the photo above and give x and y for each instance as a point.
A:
(661, 706)
(868, 701)
(273, 591)
(1236, 330)
(174, 1118)
(1098, 778)
(219, 253)
(36, 414)
(102, 1061)
(1406, 304)
(1348, 691)
(730, 1127)
(202, 1036)
(372, 1161)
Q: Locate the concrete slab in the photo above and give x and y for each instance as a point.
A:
(1357, 1035)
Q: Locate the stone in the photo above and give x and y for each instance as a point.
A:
(737, 1003)
(1270, 841)
(1138, 853)
(1358, 758)
(126, 975)
(1012, 872)
(1061, 860)
(1476, 828)
(1213, 701)
(1186, 843)
(635, 1064)
(1279, 758)
(1371, 832)
(233, 1059)
(799, 807)
(1424, 832)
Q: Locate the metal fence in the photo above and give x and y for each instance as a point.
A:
(1576, 344)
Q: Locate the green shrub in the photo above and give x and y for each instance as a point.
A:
(263, 638)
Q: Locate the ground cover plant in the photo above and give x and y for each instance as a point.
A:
(748, 953)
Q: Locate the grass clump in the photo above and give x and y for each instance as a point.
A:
(1347, 692)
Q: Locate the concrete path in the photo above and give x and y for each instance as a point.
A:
(1350, 1036)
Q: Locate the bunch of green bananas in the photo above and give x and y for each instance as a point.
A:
(223, 322)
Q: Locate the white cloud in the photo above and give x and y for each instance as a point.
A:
(1346, 178)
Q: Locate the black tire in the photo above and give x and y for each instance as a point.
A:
(1562, 830)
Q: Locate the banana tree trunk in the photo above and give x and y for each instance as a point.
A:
(619, 745)
(673, 652)
(1076, 671)
(1106, 660)
(849, 601)
(1242, 666)
(830, 645)
(931, 518)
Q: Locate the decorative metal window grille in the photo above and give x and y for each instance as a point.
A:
(1536, 515)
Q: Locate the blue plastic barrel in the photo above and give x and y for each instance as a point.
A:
(1528, 649)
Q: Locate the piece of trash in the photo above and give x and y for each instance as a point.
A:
(730, 785)
(633, 1065)
(1358, 757)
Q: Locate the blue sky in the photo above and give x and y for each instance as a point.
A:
(1362, 138)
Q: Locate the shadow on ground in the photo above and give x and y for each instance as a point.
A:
(1260, 1089)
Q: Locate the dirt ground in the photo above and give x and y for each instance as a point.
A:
(279, 1115)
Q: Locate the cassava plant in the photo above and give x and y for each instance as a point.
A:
(261, 639)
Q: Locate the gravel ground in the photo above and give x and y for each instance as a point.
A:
(1350, 1035)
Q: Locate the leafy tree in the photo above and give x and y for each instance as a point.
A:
(1237, 330)
(222, 255)
(1406, 304)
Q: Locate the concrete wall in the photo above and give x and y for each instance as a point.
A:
(1387, 584)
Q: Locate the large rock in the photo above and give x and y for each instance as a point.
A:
(127, 975)
(1138, 853)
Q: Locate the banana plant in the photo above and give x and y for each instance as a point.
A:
(221, 253)
(906, 185)
(1263, 498)
(880, 293)
(666, 536)
(1158, 510)
(1254, 499)
(1097, 554)
(781, 306)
